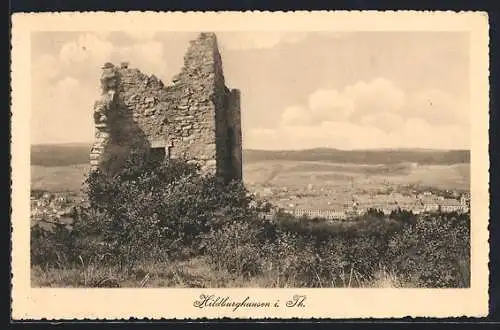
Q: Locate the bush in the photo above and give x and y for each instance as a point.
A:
(289, 259)
(424, 251)
(234, 248)
(155, 211)
(404, 216)
(433, 252)
(51, 244)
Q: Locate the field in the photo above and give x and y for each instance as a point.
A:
(300, 173)
(58, 178)
(62, 168)
(326, 185)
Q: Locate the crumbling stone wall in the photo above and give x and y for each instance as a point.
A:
(234, 124)
(196, 117)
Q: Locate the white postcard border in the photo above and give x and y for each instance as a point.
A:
(31, 303)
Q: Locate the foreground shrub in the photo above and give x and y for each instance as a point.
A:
(434, 251)
(425, 251)
(52, 244)
(234, 248)
(151, 211)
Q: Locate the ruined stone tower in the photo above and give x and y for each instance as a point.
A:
(196, 118)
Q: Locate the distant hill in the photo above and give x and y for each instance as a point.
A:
(78, 153)
(60, 154)
(378, 156)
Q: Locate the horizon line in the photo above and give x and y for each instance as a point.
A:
(275, 150)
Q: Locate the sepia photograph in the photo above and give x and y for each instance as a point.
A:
(257, 159)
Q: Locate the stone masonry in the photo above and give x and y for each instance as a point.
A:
(195, 118)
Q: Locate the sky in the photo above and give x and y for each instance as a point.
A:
(345, 90)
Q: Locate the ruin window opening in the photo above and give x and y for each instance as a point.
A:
(157, 154)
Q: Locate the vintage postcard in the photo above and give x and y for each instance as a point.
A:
(249, 165)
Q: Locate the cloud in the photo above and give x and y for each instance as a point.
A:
(330, 105)
(96, 50)
(257, 40)
(345, 135)
(89, 51)
(365, 115)
(145, 55)
(45, 67)
(377, 95)
(386, 121)
(296, 115)
(377, 102)
(62, 110)
(438, 107)
(326, 134)
(66, 82)
(417, 132)
(87, 47)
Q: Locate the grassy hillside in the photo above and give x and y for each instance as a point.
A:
(73, 154)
